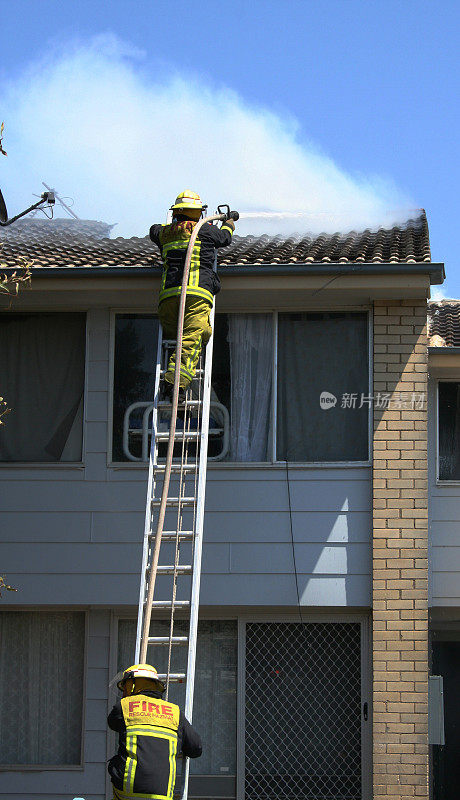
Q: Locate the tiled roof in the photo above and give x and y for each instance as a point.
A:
(84, 243)
(444, 323)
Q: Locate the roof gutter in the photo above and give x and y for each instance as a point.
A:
(454, 350)
(434, 270)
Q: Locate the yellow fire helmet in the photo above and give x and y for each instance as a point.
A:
(140, 671)
(188, 200)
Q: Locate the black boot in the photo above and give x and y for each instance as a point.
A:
(166, 391)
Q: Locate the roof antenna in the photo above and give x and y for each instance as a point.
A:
(60, 200)
(46, 200)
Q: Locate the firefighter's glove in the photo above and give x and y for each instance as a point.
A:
(229, 224)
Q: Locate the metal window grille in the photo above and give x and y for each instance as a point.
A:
(303, 711)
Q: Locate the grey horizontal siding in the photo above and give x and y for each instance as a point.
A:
(83, 527)
(69, 795)
(309, 558)
(48, 526)
(70, 589)
(281, 590)
(247, 530)
(60, 783)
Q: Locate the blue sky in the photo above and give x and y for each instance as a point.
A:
(362, 98)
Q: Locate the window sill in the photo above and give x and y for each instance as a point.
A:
(42, 767)
(119, 465)
(446, 484)
(42, 465)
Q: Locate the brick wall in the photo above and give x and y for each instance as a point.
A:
(400, 552)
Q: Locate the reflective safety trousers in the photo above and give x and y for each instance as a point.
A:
(145, 766)
(197, 332)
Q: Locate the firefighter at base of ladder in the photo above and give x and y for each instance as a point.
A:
(203, 282)
(151, 733)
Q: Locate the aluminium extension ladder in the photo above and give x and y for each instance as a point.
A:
(186, 464)
(187, 505)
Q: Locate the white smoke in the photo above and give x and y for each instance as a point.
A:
(95, 124)
(439, 293)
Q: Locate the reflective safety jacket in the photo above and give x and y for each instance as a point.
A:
(151, 733)
(173, 241)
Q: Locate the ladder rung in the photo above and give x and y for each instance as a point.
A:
(163, 436)
(168, 569)
(177, 468)
(164, 605)
(164, 640)
(190, 403)
(175, 501)
(197, 372)
(174, 677)
(171, 536)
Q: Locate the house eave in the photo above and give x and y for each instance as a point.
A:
(434, 269)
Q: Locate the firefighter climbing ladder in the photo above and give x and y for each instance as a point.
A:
(186, 462)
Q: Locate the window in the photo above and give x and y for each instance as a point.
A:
(241, 386)
(449, 430)
(214, 713)
(42, 368)
(323, 355)
(318, 354)
(135, 355)
(41, 687)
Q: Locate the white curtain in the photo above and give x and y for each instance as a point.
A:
(41, 686)
(214, 708)
(42, 370)
(250, 338)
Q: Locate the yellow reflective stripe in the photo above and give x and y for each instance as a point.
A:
(130, 766)
(186, 372)
(172, 766)
(152, 730)
(139, 796)
(177, 244)
(227, 228)
(194, 274)
(193, 357)
(200, 292)
(191, 290)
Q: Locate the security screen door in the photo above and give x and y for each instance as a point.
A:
(303, 711)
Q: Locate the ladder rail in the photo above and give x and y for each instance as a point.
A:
(148, 505)
(197, 551)
(181, 491)
(199, 524)
(172, 429)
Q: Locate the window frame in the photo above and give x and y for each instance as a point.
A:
(60, 767)
(59, 464)
(217, 615)
(441, 481)
(273, 463)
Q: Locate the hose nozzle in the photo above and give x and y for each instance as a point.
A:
(225, 210)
